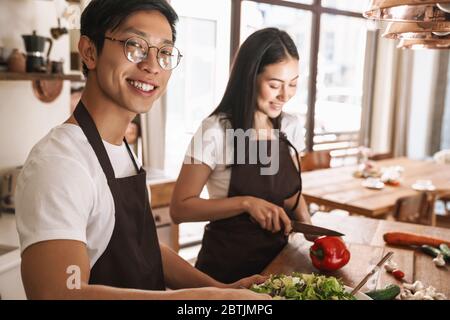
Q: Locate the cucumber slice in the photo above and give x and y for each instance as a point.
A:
(388, 293)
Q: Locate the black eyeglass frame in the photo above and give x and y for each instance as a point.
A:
(148, 49)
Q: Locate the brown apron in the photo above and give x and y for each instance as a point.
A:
(238, 247)
(132, 258)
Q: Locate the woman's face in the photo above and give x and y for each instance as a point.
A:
(276, 85)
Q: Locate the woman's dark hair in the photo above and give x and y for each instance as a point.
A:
(103, 15)
(262, 48)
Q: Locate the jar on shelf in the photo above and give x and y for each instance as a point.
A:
(17, 62)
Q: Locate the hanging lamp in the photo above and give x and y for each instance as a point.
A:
(416, 23)
(409, 10)
(417, 30)
(424, 44)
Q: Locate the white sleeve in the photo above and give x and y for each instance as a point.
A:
(55, 196)
(292, 125)
(299, 138)
(207, 144)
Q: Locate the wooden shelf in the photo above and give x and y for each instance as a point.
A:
(13, 76)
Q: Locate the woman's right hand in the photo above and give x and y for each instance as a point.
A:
(268, 215)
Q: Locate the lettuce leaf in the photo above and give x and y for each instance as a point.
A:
(300, 286)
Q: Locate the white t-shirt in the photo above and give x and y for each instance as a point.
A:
(62, 191)
(210, 146)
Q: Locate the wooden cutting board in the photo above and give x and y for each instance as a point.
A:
(295, 258)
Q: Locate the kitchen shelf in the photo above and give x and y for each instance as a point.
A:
(15, 76)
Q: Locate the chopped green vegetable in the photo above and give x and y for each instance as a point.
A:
(434, 252)
(388, 293)
(300, 286)
(445, 251)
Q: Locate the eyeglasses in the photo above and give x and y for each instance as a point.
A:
(136, 50)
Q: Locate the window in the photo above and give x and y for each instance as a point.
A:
(355, 6)
(198, 83)
(332, 105)
(332, 53)
(340, 75)
(301, 1)
(255, 16)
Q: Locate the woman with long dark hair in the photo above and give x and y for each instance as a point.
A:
(246, 153)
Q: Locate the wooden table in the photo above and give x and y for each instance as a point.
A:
(364, 238)
(337, 188)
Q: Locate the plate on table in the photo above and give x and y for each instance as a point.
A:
(358, 295)
(371, 183)
(423, 186)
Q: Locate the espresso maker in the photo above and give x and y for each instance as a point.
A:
(35, 46)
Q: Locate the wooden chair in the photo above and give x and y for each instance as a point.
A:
(415, 209)
(443, 220)
(315, 160)
(381, 156)
(443, 157)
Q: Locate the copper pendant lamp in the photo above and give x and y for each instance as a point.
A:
(416, 23)
(424, 44)
(409, 10)
(418, 30)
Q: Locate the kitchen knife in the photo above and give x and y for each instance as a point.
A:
(305, 228)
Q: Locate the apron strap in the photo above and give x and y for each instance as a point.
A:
(87, 124)
(131, 156)
(284, 138)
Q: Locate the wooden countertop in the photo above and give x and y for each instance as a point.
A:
(364, 238)
(160, 186)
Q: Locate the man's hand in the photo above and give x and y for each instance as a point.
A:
(245, 294)
(248, 281)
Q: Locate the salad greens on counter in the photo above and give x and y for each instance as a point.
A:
(300, 286)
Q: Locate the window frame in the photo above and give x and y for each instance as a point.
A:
(317, 11)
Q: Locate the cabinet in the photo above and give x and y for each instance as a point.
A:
(166, 229)
(161, 193)
(11, 287)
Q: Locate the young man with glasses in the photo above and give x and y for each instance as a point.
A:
(83, 212)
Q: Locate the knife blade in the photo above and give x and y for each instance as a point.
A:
(305, 228)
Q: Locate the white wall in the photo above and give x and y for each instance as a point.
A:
(23, 118)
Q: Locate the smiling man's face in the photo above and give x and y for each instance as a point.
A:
(134, 86)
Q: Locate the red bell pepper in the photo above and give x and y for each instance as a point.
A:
(398, 274)
(329, 253)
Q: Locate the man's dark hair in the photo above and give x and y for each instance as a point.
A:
(262, 48)
(103, 15)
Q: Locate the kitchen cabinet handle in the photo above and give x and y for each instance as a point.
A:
(157, 218)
